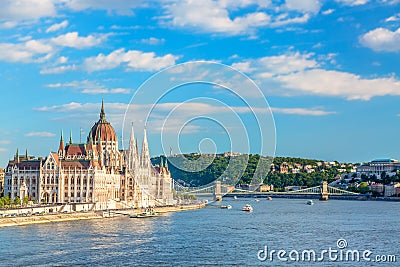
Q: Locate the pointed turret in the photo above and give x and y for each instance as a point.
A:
(166, 163)
(70, 137)
(26, 154)
(16, 158)
(132, 151)
(61, 147)
(161, 162)
(145, 156)
(102, 113)
(137, 149)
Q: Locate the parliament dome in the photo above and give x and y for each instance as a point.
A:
(102, 129)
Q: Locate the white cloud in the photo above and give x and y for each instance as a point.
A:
(5, 142)
(13, 10)
(57, 26)
(59, 69)
(153, 41)
(382, 39)
(302, 111)
(107, 91)
(90, 87)
(339, 84)
(24, 52)
(305, 6)
(393, 18)
(40, 134)
(282, 64)
(244, 3)
(62, 60)
(284, 19)
(8, 24)
(131, 59)
(2, 149)
(295, 74)
(212, 16)
(353, 2)
(328, 11)
(72, 39)
(121, 7)
(218, 16)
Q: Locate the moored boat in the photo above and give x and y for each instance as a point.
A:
(247, 208)
(145, 214)
(310, 202)
(228, 207)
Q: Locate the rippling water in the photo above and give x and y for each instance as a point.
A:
(209, 237)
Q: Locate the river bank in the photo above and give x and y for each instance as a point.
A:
(63, 217)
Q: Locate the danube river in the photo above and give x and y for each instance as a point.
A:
(218, 237)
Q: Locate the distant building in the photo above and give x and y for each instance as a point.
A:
(94, 172)
(378, 166)
(232, 154)
(284, 168)
(266, 188)
(377, 187)
(391, 190)
(1, 181)
(294, 188)
(309, 169)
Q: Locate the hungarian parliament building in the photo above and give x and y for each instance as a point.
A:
(95, 172)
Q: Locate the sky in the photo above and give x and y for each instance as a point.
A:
(204, 75)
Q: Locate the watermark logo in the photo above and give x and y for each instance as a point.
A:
(340, 253)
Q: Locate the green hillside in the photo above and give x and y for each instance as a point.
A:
(196, 170)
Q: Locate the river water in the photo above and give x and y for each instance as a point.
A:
(216, 237)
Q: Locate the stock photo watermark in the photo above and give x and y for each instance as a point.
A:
(340, 253)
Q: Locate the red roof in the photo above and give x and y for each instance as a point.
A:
(79, 164)
(75, 149)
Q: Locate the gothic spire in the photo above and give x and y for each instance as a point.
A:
(145, 151)
(70, 137)
(132, 139)
(102, 113)
(61, 147)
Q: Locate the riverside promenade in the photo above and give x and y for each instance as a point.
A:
(75, 216)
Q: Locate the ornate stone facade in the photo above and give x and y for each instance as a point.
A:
(94, 172)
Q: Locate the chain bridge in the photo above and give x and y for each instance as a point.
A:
(217, 190)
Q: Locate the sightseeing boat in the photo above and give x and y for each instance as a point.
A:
(145, 214)
(247, 208)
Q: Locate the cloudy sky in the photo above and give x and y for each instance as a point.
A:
(328, 69)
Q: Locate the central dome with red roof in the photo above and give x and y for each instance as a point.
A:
(102, 130)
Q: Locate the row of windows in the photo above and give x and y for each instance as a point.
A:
(78, 194)
(78, 188)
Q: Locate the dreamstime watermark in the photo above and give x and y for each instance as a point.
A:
(340, 253)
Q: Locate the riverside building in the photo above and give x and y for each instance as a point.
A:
(95, 172)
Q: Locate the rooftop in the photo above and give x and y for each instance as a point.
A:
(384, 160)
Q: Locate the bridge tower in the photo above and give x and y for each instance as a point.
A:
(217, 192)
(324, 191)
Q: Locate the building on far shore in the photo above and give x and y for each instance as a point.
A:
(1, 182)
(392, 190)
(93, 172)
(378, 166)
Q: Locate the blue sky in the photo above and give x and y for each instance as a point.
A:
(328, 69)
